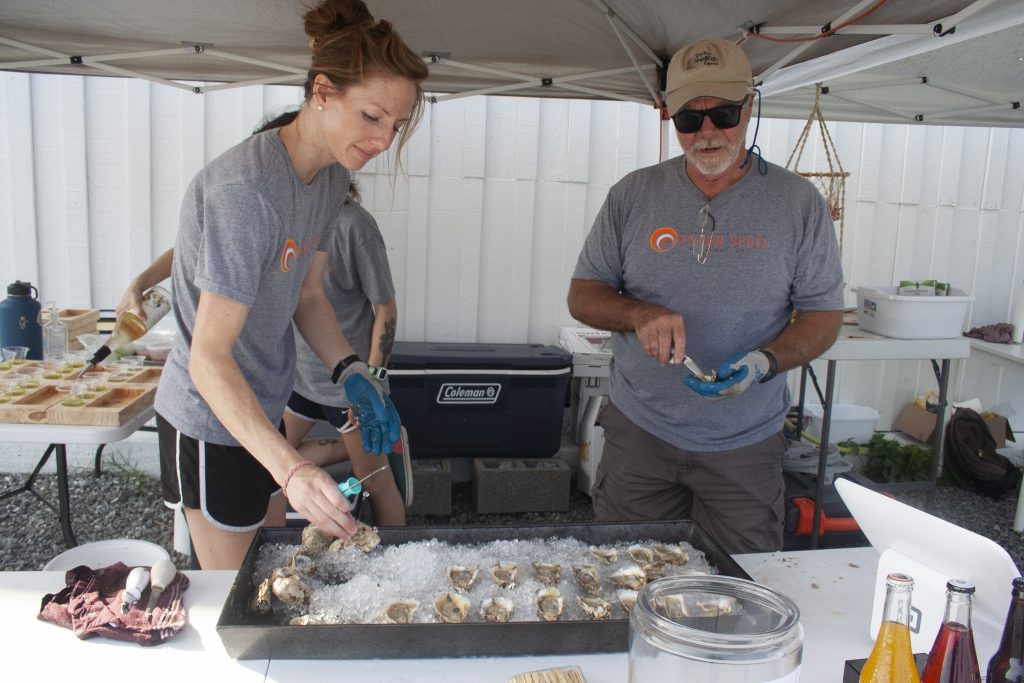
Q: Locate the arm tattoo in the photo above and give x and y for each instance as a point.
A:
(387, 340)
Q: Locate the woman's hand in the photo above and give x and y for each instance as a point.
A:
(315, 495)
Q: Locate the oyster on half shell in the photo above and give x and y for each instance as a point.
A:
(549, 573)
(497, 609)
(629, 577)
(604, 555)
(400, 611)
(504, 574)
(452, 608)
(673, 553)
(462, 577)
(550, 604)
(597, 609)
(588, 579)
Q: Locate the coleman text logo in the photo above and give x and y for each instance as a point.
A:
(475, 393)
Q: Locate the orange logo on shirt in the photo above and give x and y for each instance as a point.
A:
(663, 239)
(288, 255)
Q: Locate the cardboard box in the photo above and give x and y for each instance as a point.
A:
(916, 423)
(920, 424)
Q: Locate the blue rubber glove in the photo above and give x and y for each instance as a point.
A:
(735, 374)
(378, 419)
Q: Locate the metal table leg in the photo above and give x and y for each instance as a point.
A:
(27, 486)
(63, 496)
(940, 428)
(826, 424)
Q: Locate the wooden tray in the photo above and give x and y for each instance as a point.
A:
(112, 407)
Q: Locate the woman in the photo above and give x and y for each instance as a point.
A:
(248, 261)
(358, 284)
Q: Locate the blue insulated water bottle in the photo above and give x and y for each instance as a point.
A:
(19, 319)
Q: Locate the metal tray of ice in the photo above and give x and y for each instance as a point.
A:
(249, 636)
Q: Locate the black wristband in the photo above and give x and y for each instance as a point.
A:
(773, 365)
(342, 364)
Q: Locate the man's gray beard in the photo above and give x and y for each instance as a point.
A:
(713, 168)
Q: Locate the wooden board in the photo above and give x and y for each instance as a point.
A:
(113, 407)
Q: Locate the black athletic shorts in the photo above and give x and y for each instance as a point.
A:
(313, 411)
(227, 483)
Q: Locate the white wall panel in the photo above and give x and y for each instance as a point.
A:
(498, 194)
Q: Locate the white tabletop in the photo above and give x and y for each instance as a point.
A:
(833, 589)
(856, 344)
(1009, 356)
(95, 434)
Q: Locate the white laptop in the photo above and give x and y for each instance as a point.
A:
(932, 551)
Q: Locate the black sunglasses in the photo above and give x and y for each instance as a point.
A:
(724, 116)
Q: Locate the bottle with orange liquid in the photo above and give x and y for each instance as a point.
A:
(892, 659)
(953, 658)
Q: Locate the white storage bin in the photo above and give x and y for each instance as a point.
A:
(882, 311)
(849, 421)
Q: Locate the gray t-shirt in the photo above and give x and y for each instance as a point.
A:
(248, 230)
(774, 250)
(358, 277)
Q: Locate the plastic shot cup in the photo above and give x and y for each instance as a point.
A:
(75, 393)
(120, 370)
(52, 368)
(30, 376)
(99, 379)
(13, 355)
(5, 390)
(135, 363)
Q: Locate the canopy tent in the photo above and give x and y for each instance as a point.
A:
(968, 51)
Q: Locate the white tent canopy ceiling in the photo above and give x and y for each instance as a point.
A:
(880, 60)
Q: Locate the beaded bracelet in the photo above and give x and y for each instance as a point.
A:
(292, 470)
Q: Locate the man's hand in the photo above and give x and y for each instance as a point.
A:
(660, 333)
(378, 420)
(734, 376)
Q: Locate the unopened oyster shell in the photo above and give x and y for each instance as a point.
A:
(548, 573)
(288, 586)
(307, 620)
(497, 609)
(654, 570)
(604, 555)
(550, 604)
(365, 538)
(400, 611)
(315, 540)
(452, 608)
(627, 598)
(641, 554)
(671, 553)
(504, 574)
(260, 602)
(462, 577)
(597, 609)
(632, 577)
(588, 578)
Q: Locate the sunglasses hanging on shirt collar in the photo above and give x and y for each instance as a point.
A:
(724, 116)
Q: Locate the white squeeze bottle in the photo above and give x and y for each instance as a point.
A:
(1018, 318)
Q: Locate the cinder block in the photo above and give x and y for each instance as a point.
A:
(431, 488)
(521, 485)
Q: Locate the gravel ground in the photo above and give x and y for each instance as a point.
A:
(125, 503)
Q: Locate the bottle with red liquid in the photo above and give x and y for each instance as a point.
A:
(1007, 664)
(953, 658)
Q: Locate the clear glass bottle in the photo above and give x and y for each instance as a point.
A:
(953, 658)
(892, 658)
(55, 334)
(1007, 664)
(129, 326)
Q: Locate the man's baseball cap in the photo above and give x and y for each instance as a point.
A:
(711, 67)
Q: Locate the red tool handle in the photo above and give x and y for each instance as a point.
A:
(805, 524)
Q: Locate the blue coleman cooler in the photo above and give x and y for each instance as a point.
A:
(480, 400)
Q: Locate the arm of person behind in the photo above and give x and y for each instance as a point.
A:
(315, 320)
(659, 330)
(382, 338)
(156, 272)
(217, 377)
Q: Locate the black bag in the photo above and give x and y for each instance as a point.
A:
(971, 457)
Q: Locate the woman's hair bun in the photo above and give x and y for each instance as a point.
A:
(331, 16)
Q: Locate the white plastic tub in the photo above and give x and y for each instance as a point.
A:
(882, 311)
(849, 421)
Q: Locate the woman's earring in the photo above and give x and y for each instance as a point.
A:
(319, 107)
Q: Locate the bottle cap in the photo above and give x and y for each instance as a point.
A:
(19, 288)
(1018, 583)
(899, 581)
(960, 586)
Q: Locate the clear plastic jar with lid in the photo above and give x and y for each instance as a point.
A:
(713, 628)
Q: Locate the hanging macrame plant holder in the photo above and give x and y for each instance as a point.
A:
(831, 183)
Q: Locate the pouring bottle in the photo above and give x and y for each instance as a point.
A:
(55, 334)
(129, 326)
(19, 319)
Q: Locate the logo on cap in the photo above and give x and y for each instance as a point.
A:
(704, 58)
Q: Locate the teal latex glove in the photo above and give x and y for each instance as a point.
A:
(378, 419)
(735, 374)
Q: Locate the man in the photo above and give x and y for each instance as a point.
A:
(707, 256)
